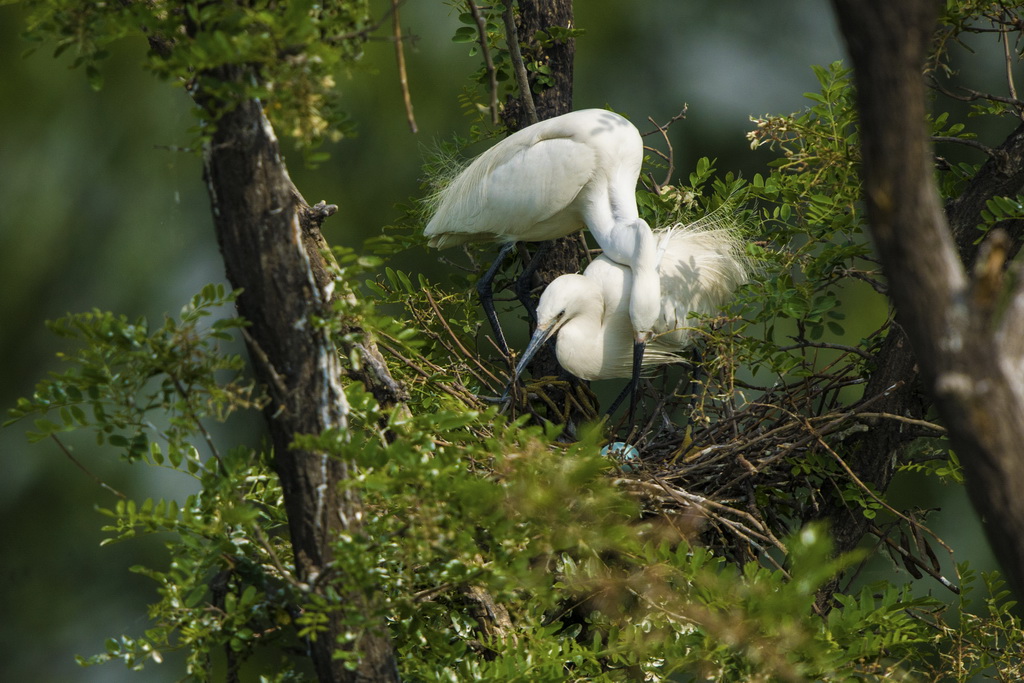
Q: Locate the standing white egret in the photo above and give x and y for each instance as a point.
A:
(547, 181)
(589, 313)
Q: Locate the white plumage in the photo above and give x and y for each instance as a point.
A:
(544, 182)
(549, 180)
(588, 314)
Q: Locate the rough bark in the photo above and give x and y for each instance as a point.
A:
(537, 17)
(969, 354)
(271, 247)
(895, 376)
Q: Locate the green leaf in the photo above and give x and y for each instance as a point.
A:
(465, 34)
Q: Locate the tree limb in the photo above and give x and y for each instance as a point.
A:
(273, 250)
(962, 359)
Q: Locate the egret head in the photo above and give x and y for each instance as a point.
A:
(566, 298)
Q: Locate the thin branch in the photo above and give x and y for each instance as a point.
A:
(444, 323)
(82, 467)
(463, 394)
(1009, 65)
(909, 557)
(286, 574)
(403, 76)
(669, 158)
(195, 418)
(367, 30)
(277, 380)
(512, 39)
(966, 141)
(931, 426)
(865, 276)
(492, 75)
(974, 95)
(803, 343)
(867, 489)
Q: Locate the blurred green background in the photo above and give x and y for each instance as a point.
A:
(98, 210)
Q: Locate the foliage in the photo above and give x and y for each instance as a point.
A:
(483, 29)
(494, 547)
(131, 379)
(460, 502)
(298, 50)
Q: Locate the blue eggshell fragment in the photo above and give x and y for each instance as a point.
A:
(627, 455)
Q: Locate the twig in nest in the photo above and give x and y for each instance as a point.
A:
(754, 531)
(455, 338)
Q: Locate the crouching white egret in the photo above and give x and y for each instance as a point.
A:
(588, 314)
(547, 181)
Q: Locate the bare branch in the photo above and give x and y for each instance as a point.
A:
(967, 142)
(970, 95)
(365, 32)
(512, 39)
(492, 75)
(907, 556)
(403, 77)
(1009, 64)
(802, 343)
(670, 157)
(79, 465)
(199, 424)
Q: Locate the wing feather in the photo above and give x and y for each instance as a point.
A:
(522, 189)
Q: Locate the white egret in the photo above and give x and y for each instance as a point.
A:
(547, 181)
(588, 314)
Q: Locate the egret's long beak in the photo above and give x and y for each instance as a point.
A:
(540, 337)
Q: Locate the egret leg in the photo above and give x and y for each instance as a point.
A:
(523, 282)
(632, 388)
(626, 391)
(638, 363)
(486, 291)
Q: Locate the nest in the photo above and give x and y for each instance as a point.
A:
(728, 463)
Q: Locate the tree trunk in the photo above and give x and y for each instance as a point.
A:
(538, 17)
(970, 355)
(873, 454)
(269, 240)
